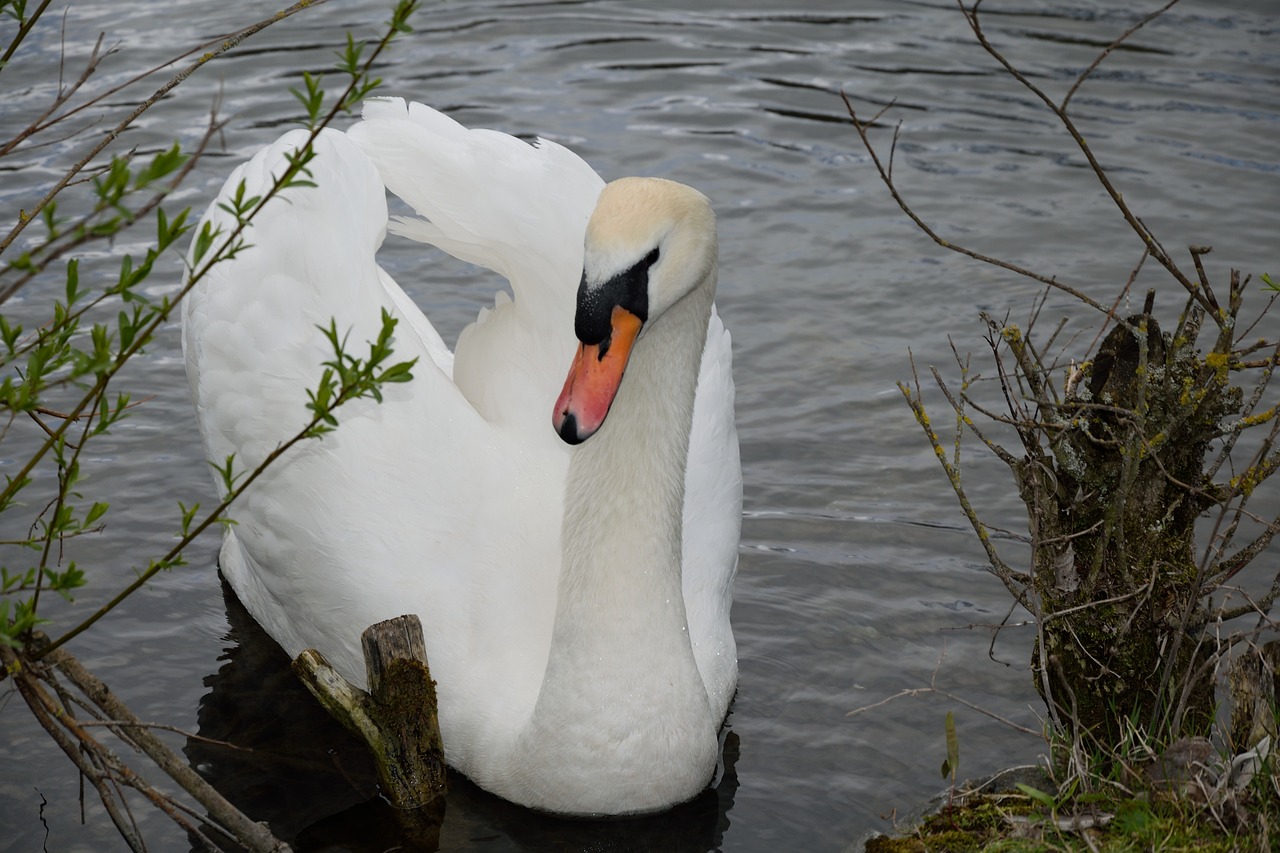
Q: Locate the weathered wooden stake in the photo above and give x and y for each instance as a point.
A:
(1254, 682)
(397, 718)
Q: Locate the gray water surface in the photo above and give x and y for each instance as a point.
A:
(859, 577)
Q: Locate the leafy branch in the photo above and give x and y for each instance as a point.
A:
(51, 351)
(114, 133)
(75, 355)
(346, 378)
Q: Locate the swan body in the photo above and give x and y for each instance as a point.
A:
(572, 571)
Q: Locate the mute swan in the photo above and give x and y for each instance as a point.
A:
(574, 596)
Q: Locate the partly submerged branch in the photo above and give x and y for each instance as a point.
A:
(106, 771)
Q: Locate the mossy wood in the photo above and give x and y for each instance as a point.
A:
(1113, 498)
(397, 717)
(1254, 685)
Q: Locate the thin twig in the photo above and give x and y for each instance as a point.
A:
(886, 177)
(128, 120)
(189, 735)
(1093, 66)
(1148, 239)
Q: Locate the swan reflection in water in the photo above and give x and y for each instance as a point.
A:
(280, 758)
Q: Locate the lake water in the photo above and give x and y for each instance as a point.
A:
(859, 577)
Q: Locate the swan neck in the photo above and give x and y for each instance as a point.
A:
(622, 534)
(620, 641)
(620, 607)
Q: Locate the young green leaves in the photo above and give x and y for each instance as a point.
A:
(347, 378)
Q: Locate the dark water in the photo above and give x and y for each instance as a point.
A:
(858, 577)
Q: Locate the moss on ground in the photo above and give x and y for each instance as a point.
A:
(1011, 823)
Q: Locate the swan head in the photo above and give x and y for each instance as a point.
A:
(650, 242)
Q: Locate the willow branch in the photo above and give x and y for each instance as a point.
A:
(133, 115)
(145, 335)
(23, 32)
(83, 235)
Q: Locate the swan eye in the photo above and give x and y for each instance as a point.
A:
(651, 258)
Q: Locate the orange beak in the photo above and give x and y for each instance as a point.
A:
(594, 378)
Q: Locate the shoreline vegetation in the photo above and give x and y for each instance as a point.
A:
(1136, 448)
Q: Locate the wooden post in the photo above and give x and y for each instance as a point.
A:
(1254, 679)
(397, 718)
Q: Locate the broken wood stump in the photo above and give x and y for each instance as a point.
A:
(396, 718)
(1253, 679)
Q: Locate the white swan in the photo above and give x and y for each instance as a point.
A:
(575, 599)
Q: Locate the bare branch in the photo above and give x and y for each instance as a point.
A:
(886, 176)
(1093, 66)
(1148, 239)
(1014, 581)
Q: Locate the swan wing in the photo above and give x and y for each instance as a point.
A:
(713, 519)
(324, 538)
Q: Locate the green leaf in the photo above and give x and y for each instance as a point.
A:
(72, 475)
(8, 634)
(16, 9)
(298, 161)
(18, 580)
(399, 22)
(1039, 796)
(349, 59)
(953, 746)
(127, 329)
(22, 620)
(168, 231)
(9, 334)
(240, 205)
(226, 473)
(203, 241)
(188, 516)
(162, 164)
(401, 372)
(96, 512)
(65, 581)
(73, 282)
(313, 99)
